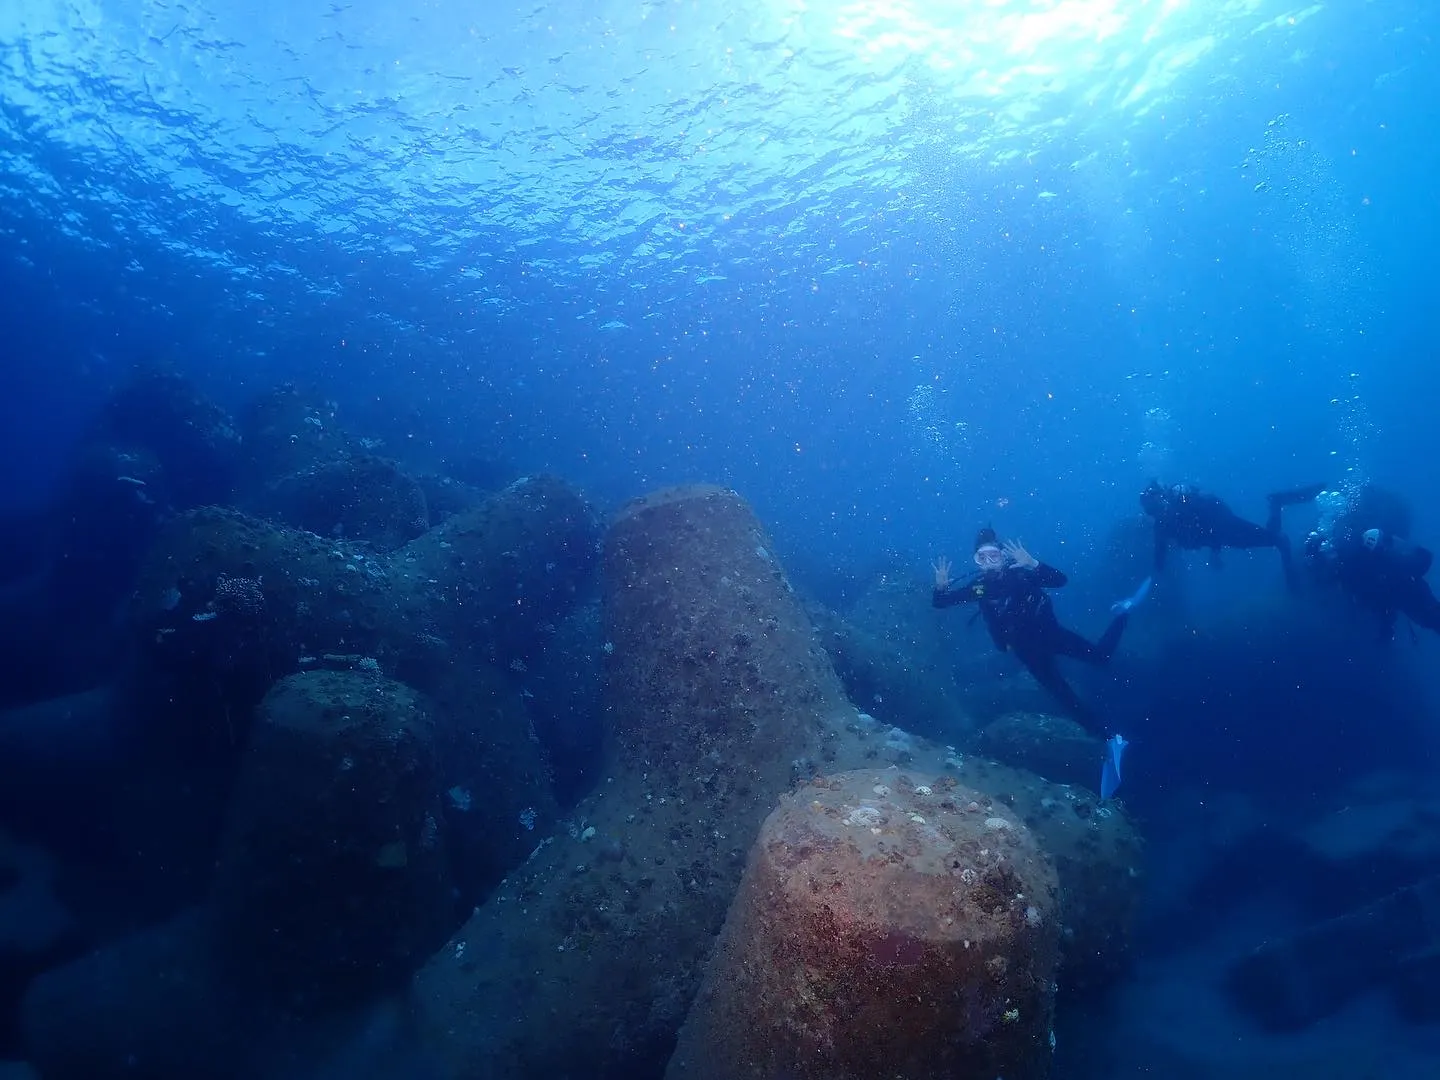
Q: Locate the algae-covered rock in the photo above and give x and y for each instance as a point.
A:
(714, 686)
(356, 497)
(1054, 747)
(332, 880)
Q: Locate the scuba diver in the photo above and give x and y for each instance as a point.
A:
(1380, 572)
(1009, 588)
(1192, 519)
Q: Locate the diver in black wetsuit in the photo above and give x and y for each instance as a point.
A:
(1010, 590)
(1192, 519)
(1381, 572)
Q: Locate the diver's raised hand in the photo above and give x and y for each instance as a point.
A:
(941, 566)
(1019, 556)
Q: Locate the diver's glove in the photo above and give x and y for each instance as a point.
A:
(1110, 769)
(1123, 607)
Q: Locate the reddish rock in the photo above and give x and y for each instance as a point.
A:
(881, 929)
(1098, 856)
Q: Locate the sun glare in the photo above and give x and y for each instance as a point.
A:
(993, 47)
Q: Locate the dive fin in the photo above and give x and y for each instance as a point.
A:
(1123, 607)
(1110, 770)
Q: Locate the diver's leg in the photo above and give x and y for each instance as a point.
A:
(1065, 642)
(1041, 664)
(1110, 639)
(1236, 532)
(1421, 607)
(1278, 500)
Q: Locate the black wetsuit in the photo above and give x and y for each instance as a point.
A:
(1192, 519)
(1021, 619)
(1388, 579)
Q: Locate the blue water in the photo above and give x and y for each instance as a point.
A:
(664, 241)
(892, 270)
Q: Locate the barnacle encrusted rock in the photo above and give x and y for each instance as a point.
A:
(881, 931)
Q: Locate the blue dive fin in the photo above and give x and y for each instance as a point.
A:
(1110, 771)
(1120, 607)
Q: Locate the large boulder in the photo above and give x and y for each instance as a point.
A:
(1098, 859)
(1054, 747)
(287, 430)
(889, 656)
(883, 928)
(332, 880)
(228, 603)
(159, 415)
(716, 691)
(154, 1006)
(355, 497)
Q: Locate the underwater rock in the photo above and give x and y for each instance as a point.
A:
(499, 786)
(882, 928)
(286, 431)
(565, 700)
(331, 882)
(715, 679)
(486, 582)
(1377, 837)
(155, 446)
(714, 684)
(155, 1006)
(1415, 984)
(503, 572)
(445, 496)
(478, 470)
(719, 698)
(1289, 984)
(55, 643)
(886, 678)
(1376, 833)
(1054, 747)
(160, 416)
(37, 929)
(228, 604)
(358, 497)
(148, 1005)
(1097, 855)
